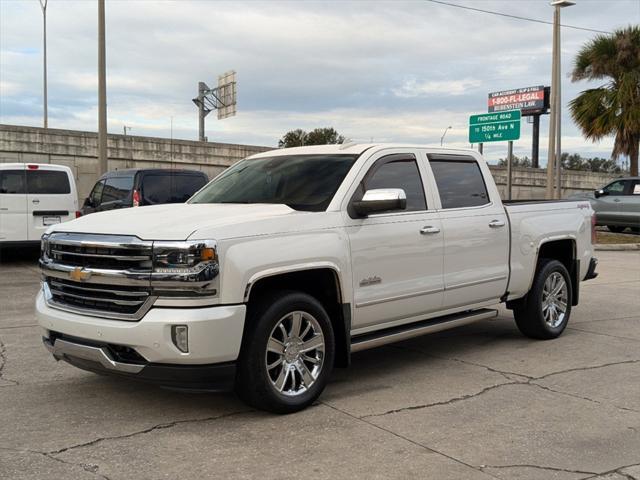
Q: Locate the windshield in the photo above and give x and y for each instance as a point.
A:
(302, 182)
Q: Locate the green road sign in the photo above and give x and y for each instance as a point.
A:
(494, 127)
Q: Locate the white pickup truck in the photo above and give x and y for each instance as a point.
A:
(289, 261)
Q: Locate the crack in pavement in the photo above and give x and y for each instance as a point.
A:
(540, 467)
(90, 468)
(603, 334)
(406, 439)
(529, 382)
(3, 362)
(617, 470)
(161, 426)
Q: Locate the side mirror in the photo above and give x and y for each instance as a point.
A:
(87, 202)
(381, 200)
(599, 193)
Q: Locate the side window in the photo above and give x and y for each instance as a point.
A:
(45, 182)
(635, 188)
(460, 183)
(96, 193)
(615, 188)
(402, 173)
(12, 181)
(117, 188)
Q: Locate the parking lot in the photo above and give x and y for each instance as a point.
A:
(478, 402)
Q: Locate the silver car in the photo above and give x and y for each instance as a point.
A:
(617, 205)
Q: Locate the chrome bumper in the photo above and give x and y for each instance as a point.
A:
(61, 349)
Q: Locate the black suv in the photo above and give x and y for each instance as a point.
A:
(138, 187)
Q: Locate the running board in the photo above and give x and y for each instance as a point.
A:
(404, 332)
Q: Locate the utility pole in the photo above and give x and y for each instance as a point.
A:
(554, 164)
(202, 113)
(535, 147)
(102, 93)
(43, 7)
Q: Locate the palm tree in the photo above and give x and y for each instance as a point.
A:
(614, 107)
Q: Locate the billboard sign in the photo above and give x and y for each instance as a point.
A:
(529, 100)
(227, 94)
(494, 127)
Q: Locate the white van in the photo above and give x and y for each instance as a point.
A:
(32, 197)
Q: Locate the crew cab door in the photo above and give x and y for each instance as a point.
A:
(13, 205)
(397, 255)
(476, 231)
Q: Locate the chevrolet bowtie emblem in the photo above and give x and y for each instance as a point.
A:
(79, 274)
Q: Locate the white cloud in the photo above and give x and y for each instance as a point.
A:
(412, 88)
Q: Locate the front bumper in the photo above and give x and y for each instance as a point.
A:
(99, 358)
(145, 349)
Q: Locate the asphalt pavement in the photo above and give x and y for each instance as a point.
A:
(477, 402)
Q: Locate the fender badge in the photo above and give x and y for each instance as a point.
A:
(79, 274)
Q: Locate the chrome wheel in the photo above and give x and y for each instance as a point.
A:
(554, 300)
(295, 353)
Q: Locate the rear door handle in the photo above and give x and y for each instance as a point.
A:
(616, 200)
(429, 230)
(496, 223)
(35, 200)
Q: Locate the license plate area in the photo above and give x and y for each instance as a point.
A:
(50, 220)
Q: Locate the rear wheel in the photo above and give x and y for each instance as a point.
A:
(287, 354)
(616, 229)
(545, 311)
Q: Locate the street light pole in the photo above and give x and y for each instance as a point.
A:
(43, 7)
(102, 93)
(445, 132)
(555, 127)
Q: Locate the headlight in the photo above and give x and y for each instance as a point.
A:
(185, 268)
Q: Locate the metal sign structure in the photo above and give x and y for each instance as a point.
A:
(494, 127)
(222, 98)
(529, 100)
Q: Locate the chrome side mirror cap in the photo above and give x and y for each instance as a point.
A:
(599, 193)
(381, 200)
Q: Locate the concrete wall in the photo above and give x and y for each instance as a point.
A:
(531, 183)
(79, 151)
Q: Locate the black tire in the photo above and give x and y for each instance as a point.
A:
(616, 229)
(253, 383)
(529, 314)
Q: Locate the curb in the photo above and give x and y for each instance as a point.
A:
(616, 247)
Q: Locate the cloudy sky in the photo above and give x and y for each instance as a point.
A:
(383, 70)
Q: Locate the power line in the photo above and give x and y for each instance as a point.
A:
(517, 17)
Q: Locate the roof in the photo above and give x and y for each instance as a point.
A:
(44, 166)
(354, 149)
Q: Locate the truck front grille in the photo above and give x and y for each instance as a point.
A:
(108, 298)
(99, 275)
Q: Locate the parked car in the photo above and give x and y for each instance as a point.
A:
(292, 259)
(617, 205)
(139, 187)
(32, 198)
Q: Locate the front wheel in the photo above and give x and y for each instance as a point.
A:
(545, 312)
(287, 353)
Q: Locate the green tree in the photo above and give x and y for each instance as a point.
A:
(293, 138)
(614, 107)
(318, 136)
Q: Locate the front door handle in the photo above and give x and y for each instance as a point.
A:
(496, 223)
(429, 230)
(35, 201)
(616, 200)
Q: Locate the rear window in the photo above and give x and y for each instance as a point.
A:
(47, 182)
(12, 181)
(170, 188)
(460, 183)
(117, 188)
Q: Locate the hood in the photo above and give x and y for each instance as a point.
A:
(172, 221)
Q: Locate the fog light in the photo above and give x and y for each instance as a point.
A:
(180, 337)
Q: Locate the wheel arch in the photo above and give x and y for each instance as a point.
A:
(324, 283)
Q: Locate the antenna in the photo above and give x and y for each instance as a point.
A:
(223, 98)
